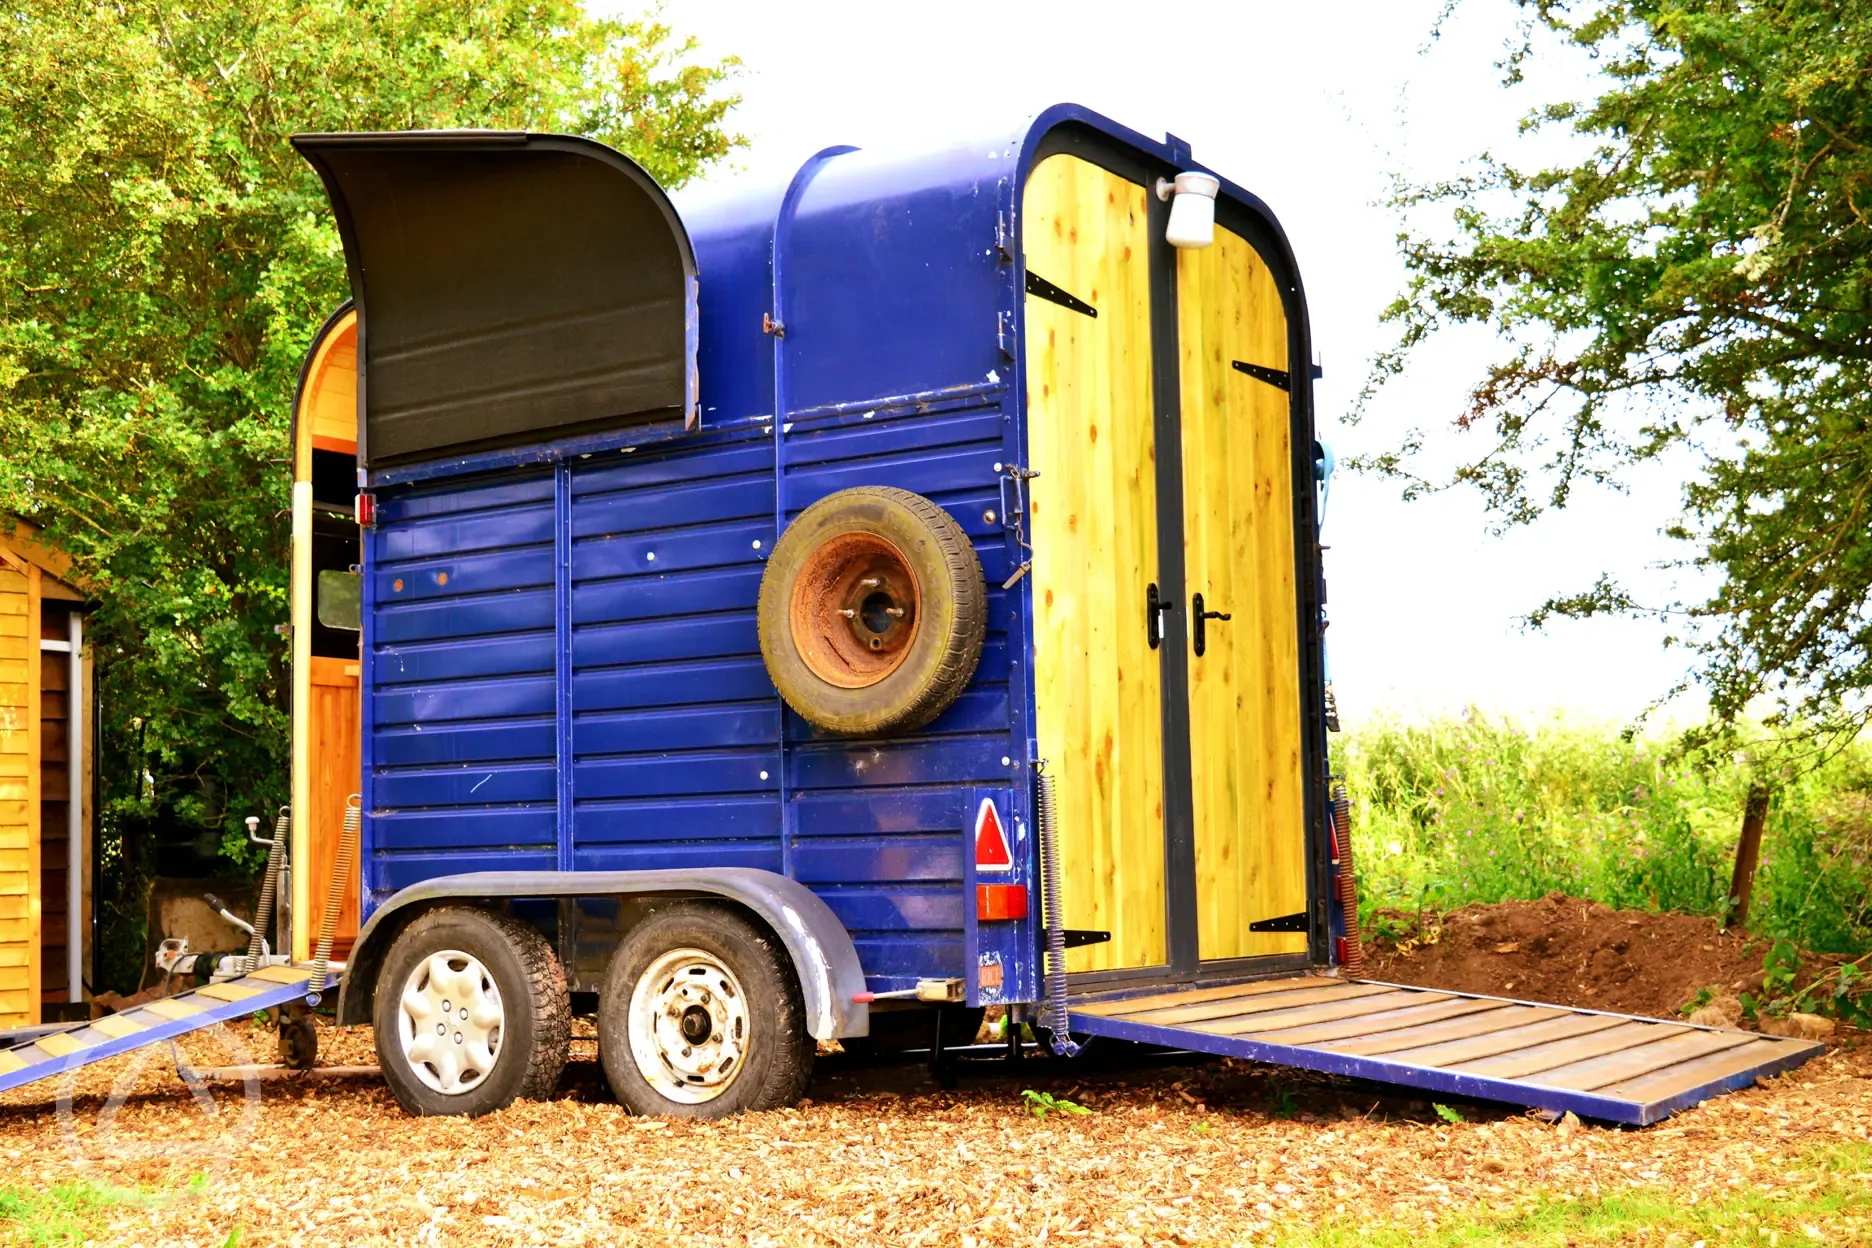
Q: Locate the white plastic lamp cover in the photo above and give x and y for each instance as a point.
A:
(1192, 211)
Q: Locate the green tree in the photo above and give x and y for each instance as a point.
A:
(1704, 277)
(165, 257)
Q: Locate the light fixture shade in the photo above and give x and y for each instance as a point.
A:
(1192, 211)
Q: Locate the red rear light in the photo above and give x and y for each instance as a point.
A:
(1000, 901)
(366, 510)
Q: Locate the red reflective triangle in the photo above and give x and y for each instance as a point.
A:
(991, 843)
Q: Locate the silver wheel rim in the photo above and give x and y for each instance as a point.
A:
(689, 1028)
(451, 1022)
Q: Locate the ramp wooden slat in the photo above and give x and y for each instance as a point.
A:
(116, 1026)
(1196, 996)
(1456, 1012)
(1609, 1067)
(283, 974)
(1529, 1062)
(63, 1043)
(1674, 1081)
(1282, 1019)
(1524, 1035)
(1642, 1060)
(52, 1052)
(1235, 1007)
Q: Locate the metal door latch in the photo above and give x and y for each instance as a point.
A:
(1201, 617)
(1155, 609)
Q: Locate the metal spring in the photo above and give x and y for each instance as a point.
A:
(1348, 882)
(334, 896)
(269, 889)
(1047, 825)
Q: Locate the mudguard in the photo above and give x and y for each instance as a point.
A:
(821, 950)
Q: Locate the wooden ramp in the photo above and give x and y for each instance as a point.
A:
(42, 1052)
(1612, 1067)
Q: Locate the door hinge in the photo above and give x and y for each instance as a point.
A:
(1286, 923)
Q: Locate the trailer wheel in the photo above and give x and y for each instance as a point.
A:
(872, 612)
(471, 1013)
(701, 1017)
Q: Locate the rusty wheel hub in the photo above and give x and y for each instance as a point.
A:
(854, 610)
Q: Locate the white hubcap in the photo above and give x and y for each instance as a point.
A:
(451, 1022)
(689, 1026)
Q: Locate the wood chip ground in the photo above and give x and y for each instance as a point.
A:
(1173, 1152)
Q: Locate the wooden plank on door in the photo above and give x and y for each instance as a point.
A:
(335, 756)
(1098, 696)
(1238, 519)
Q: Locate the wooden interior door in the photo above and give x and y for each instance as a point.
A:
(1245, 743)
(1098, 693)
(334, 723)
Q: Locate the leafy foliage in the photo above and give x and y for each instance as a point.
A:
(1702, 278)
(164, 259)
(1043, 1103)
(1478, 809)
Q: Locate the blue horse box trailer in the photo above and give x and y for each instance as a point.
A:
(769, 610)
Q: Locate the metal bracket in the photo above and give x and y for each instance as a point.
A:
(1004, 239)
(1004, 333)
(1286, 923)
(1041, 288)
(1276, 377)
(1076, 936)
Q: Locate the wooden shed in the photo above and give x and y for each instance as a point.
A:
(46, 771)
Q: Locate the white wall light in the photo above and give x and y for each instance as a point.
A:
(1192, 212)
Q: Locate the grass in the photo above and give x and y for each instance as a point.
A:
(1826, 1201)
(72, 1213)
(1474, 808)
(64, 1215)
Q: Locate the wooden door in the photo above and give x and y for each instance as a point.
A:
(334, 724)
(1238, 524)
(1098, 694)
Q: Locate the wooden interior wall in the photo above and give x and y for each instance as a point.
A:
(1245, 743)
(334, 725)
(19, 792)
(54, 803)
(331, 406)
(1090, 436)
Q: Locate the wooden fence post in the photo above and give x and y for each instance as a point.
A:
(1748, 854)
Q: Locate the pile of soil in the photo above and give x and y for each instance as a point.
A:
(1573, 952)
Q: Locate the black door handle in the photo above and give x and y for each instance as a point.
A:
(1154, 610)
(1199, 615)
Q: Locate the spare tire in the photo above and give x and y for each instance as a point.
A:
(872, 610)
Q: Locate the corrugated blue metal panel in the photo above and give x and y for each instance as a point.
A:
(459, 681)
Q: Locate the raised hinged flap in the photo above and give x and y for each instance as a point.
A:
(512, 289)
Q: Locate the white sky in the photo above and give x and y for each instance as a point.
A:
(1313, 107)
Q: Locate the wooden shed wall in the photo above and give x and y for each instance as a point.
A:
(19, 792)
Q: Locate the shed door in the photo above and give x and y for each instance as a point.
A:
(1098, 693)
(1246, 773)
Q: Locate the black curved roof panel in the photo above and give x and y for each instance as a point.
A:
(512, 288)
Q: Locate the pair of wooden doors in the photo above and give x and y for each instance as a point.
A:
(1109, 608)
